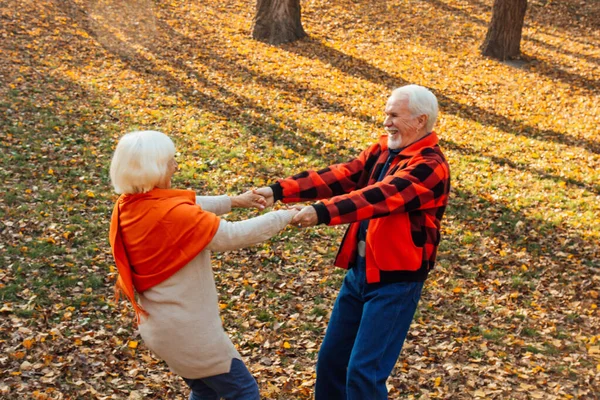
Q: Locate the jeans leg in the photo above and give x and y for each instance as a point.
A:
(200, 390)
(387, 315)
(338, 342)
(237, 384)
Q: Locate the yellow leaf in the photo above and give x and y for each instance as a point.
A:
(286, 345)
(320, 250)
(28, 343)
(438, 381)
(132, 344)
(457, 290)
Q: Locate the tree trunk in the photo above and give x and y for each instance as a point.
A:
(277, 21)
(503, 39)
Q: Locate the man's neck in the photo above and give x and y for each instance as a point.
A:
(399, 149)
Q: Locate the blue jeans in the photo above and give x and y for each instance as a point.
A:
(237, 384)
(367, 329)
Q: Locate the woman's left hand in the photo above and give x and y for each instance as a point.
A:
(248, 200)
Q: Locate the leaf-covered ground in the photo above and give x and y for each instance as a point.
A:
(511, 311)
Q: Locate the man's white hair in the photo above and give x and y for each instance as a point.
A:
(141, 161)
(420, 101)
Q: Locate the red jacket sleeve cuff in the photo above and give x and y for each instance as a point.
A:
(277, 191)
(322, 213)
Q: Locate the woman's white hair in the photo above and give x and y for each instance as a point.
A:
(140, 162)
(420, 101)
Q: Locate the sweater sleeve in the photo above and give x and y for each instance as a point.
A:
(218, 205)
(236, 235)
(420, 186)
(332, 181)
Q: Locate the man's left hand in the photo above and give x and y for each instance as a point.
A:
(306, 217)
(248, 200)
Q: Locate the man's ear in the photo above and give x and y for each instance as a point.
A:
(422, 120)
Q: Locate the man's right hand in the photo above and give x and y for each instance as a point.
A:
(267, 193)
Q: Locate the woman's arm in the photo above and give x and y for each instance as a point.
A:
(235, 235)
(215, 204)
(220, 205)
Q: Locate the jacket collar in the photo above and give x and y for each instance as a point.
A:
(415, 148)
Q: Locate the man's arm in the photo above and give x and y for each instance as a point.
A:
(421, 186)
(309, 185)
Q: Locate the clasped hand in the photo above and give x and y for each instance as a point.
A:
(306, 216)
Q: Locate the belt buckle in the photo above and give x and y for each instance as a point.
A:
(362, 246)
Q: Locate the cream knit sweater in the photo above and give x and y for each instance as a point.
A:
(184, 327)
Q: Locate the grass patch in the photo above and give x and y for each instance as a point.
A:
(494, 334)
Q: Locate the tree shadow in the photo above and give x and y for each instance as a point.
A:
(554, 72)
(502, 161)
(561, 14)
(348, 64)
(216, 61)
(361, 69)
(47, 98)
(457, 11)
(560, 36)
(517, 230)
(564, 51)
(236, 108)
(565, 14)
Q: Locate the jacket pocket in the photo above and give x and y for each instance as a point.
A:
(390, 244)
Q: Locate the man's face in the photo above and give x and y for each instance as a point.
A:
(402, 128)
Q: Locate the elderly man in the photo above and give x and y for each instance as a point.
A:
(393, 195)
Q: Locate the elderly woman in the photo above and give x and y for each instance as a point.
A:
(162, 239)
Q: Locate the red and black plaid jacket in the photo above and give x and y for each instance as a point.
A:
(405, 208)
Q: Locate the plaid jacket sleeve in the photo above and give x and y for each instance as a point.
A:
(332, 181)
(423, 184)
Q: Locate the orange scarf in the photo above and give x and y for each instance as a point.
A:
(155, 234)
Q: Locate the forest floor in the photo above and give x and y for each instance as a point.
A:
(511, 309)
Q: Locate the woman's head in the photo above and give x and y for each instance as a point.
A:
(142, 161)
